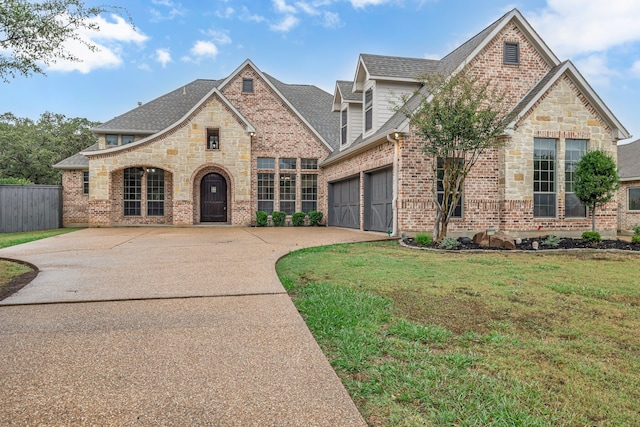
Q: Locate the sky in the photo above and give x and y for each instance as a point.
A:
(313, 42)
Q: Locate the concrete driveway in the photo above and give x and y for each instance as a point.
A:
(166, 326)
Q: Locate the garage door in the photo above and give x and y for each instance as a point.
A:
(344, 203)
(378, 214)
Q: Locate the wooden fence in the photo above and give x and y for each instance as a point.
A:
(30, 207)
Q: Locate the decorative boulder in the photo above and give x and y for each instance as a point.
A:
(498, 240)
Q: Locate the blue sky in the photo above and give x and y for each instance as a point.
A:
(315, 42)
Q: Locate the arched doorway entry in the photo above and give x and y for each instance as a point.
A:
(213, 198)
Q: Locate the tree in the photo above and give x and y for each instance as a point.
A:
(595, 181)
(458, 120)
(34, 33)
(28, 149)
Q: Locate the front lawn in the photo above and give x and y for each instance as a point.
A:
(503, 339)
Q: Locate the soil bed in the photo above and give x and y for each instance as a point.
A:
(527, 245)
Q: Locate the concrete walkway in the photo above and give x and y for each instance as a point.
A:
(165, 326)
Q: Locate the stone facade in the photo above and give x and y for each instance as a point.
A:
(627, 218)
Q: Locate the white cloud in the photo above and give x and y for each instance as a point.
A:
(163, 56)
(226, 13)
(281, 6)
(220, 37)
(307, 8)
(286, 24)
(251, 17)
(204, 49)
(109, 41)
(596, 70)
(359, 4)
(577, 27)
(332, 20)
(635, 68)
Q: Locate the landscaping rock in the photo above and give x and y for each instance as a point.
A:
(498, 240)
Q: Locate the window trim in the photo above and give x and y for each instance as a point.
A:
(629, 208)
(271, 190)
(282, 166)
(344, 115)
(511, 49)
(570, 164)
(106, 140)
(132, 137)
(215, 133)
(368, 109)
(287, 192)
(134, 204)
(247, 85)
(309, 164)
(85, 182)
(311, 195)
(155, 184)
(272, 166)
(554, 182)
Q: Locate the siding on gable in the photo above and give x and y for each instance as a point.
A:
(389, 96)
(354, 122)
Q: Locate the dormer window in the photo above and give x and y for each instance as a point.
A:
(512, 53)
(343, 127)
(368, 109)
(213, 139)
(111, 140)
(247, 85)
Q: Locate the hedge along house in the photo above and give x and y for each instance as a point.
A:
(379, 179)
(219, 150)
(213, 151)
(629, 193)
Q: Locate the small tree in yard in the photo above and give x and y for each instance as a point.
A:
(595, 181)
(458, 120)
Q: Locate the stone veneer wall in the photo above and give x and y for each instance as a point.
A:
(75, 204)
(279, 134)
(627, 219)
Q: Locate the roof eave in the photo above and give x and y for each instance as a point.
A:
(365, 145)
(125, 131)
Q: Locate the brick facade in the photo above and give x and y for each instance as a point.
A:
(627, 219)
(75, 204)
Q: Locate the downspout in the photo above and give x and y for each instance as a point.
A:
(394, 138)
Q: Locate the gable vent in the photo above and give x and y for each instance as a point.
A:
(511, 53)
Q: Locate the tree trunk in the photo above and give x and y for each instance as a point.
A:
(436, 225)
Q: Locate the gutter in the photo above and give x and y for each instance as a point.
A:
(396, 158)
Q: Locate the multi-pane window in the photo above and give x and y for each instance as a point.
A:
(155, 192)
(288, 193)
(309, 184)
(343, 127)
(127, 139)
(544, 178)
(287, 163)
(266, 193)
(634, 199)
(512, 53)
(247, 85)
(111, 140)
(457, 213)
(368, 109)
(309, 164)
(574, 150)
(85, 182)
(213, 139)
(132, 191)
(266, 163)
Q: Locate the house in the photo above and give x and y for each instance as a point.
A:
(219, 150)
(629, 193)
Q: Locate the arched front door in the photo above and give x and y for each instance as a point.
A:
(213, 198)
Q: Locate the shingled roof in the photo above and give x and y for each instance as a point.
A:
(346, 91)
(395, 67)
(77, 161)
(629, 161)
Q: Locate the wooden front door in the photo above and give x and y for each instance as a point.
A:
(213, 198)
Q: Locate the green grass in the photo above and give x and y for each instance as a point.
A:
(12, 239)
(503, 339)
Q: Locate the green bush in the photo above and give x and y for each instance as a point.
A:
(552, 241)
(298, 219)
(636, 239)
(449, 243)
(19, 181)
(591, 237)
(278, 218)
(315, 217)
(636, 230)
(423, 239)
(262, 218)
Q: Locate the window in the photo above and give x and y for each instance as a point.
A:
(288, 193)
(309, 184)
(213, 139)
(287, 163)
(343, 127)
(574, 150)
(368, 109)
(309, 164)
(155, 192)
(544, 178)
(132, 191)
(512, 53)
(247, 85)
(85, 182)
(634, 199)
(127, 139)
(265, 192)
(457, 213)
(266, 163)
(111, 140)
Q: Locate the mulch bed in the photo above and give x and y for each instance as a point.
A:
(527, 245)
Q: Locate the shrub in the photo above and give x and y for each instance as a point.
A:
(278, 218)
(262, 218)
(423, 239)
(449, 243)
(636, 230)
(19, 181)
(297, 219)
(552, 241)
(315, 217)
(636, 239)
(591, 237)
